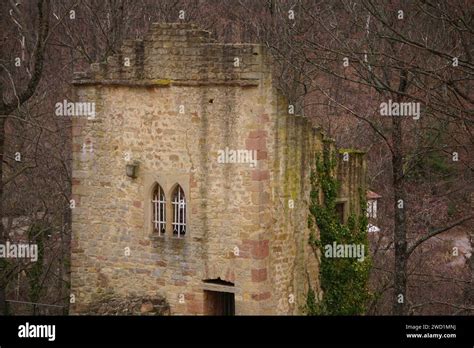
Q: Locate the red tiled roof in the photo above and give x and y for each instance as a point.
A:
(373, 195)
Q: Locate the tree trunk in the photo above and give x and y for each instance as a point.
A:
(469, 290)
(400, 227)
(3, 262)
(400, 235)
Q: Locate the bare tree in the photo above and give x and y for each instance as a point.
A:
(16, 96)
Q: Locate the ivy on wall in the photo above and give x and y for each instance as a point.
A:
(344, 281)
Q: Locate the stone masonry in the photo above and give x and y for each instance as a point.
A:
(169, 103)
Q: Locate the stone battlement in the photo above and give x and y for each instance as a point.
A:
(177, 53)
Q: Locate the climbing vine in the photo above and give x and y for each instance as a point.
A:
(344, 281)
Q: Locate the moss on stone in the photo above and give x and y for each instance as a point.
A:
(351, 151)
(162, 82)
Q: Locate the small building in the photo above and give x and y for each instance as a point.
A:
(372, 199)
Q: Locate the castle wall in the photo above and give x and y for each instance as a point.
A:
(350, 173)
(228, 204)
(292, 261)
(174, 103)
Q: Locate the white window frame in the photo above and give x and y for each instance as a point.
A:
(159, 210)
(179, 212)
(372, 208)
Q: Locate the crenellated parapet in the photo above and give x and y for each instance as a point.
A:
(177, 54)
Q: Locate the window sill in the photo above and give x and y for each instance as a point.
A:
(156, 237)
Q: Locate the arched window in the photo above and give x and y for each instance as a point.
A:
(179, 212)
(159, 210)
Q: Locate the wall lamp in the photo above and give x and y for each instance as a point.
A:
(131, 169)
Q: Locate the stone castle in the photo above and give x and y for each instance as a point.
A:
(156, 213)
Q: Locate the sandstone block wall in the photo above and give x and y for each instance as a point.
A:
(351, 175)
(179, 102)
